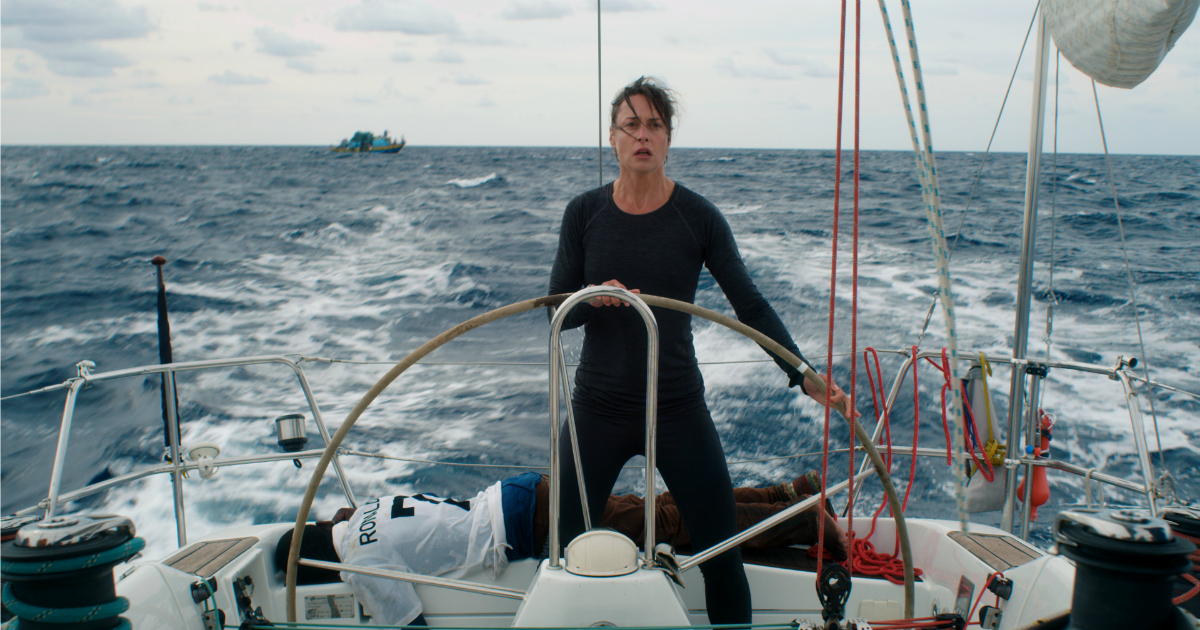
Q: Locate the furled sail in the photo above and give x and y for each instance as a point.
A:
(1117, 42)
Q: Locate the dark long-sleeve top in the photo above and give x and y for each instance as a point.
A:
(659, 253)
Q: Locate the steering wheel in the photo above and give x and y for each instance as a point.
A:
(554, 300)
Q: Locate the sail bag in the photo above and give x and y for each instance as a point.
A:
(1117, 42)
(984, 495)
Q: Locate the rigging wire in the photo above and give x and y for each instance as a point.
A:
(1129, 275)
(986, 153)
(1052, 300)
(995, 127)
(599, 103)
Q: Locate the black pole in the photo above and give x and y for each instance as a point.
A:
(164, 350)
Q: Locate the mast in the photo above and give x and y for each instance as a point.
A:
(1025, 277)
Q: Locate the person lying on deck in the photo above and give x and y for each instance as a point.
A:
(508, 521)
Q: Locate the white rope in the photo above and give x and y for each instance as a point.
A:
(933, 213)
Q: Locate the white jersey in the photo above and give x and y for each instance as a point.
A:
(418, 534)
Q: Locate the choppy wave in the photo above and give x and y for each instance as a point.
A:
(291, 250)
(477, 181)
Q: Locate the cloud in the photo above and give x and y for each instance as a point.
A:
(212, 6)
(535, 10)
(480, 38)
(446, 55)
(469, 79)
(303, 65)
(402, 57)
(55, 21)
(22, 65)
(486, 101)
(808, 67)
(621, 6)
(63, 33)
(81, 60)
(232, 78)
(405, 16)
(23, 88)
(729, 68)
(280, 44)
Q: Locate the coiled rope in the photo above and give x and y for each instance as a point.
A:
(33, 613)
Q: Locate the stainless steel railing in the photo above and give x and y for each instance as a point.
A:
(176, 467)
(557, 372)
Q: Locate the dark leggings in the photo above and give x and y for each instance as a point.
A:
(691, 461)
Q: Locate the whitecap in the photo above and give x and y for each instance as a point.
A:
(471, 183)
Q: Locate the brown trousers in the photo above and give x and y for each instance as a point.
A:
(626, 514)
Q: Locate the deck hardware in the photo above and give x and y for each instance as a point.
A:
(252, 616)
(290, 433)
(959, 622)
(84, 369)
(200, 592)
(213, 619)
(1121, 364)
(989, 617)
(1125, 565)
(59, 572)
(205, 455)
(664, 558)
(1001, 586)
(833, 589)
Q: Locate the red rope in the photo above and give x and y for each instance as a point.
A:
(837, 195)
(854, 285)
(944, 368)
(1195, 558)
(983, 590)
(866, 560)
(987, 472)
(1190, 594)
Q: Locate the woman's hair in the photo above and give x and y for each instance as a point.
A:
(316, 544)
(662, 99)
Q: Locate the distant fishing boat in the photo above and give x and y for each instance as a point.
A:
(367, 142)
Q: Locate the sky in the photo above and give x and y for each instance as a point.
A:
(750, 74)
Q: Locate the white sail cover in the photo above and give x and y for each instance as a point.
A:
(1117, 42)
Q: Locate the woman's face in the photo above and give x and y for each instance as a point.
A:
(640, 137)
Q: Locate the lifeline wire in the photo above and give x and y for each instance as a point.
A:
(346, 451)
(1129, 274)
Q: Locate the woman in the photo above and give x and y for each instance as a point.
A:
(647, 233)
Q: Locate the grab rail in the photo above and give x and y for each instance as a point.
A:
(557, 369)
(177, 466)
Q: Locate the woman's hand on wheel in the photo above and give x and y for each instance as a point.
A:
(605, 300)
(837, 398)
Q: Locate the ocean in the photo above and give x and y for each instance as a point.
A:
(362, 258)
